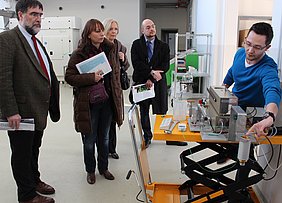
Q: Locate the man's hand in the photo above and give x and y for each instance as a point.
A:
(98, 76)
(260, 127)
(149, 84)
(121, 56)
(14, 121)
(157, 74)
(227, 86)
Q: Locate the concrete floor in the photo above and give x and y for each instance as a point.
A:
(61, 163)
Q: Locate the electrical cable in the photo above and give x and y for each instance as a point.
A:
(252, 116)
(256, 151)
(222, 126)
(277, 166)
(270, 136)
(137, 196)
(127, 178)
(268, 162)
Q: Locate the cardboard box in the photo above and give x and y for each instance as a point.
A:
(242, 35)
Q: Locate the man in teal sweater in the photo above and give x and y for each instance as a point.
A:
(255, 76)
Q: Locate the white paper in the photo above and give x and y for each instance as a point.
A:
(140, 93)
(94, 64)
(25, 124)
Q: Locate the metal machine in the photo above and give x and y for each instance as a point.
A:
(220, 118)
(219, 108)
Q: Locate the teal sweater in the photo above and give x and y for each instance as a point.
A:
(256, 85)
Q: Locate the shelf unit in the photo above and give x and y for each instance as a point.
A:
(196, 44)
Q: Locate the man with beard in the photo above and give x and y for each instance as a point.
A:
(150, 60)
(255, 76)
(29, 89)
(256, 84)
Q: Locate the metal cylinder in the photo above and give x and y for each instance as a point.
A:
(244, 150)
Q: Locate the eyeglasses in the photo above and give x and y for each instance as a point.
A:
(35, 14)
(256, 47)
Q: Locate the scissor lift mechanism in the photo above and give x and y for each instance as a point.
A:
(209, 185)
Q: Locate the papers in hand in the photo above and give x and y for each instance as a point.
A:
(140, 93)
(94, 64)
(25, 124)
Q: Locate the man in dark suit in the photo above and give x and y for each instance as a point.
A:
(150, 60)
(29, 89)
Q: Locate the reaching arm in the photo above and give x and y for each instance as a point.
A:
(259, 128)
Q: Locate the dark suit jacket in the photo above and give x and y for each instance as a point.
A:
(24, 88)
(141, 73)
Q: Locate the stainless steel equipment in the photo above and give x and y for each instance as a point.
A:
(218, 122)
(222, 99)
(237, 123)
(220, 102)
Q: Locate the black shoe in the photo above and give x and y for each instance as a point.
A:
(115, 155)
(177, 143)
(147, 143)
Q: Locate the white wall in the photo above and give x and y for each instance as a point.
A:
(271, 190)
(260, 8)
(218, 17)
(276, 45)
(255, 7)
(126, 12)
(169, 18)
(2, 4)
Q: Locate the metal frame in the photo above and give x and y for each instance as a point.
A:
(131, 111)
(222, 187)
(188, 36)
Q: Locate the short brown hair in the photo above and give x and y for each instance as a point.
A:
(24, 5)
(89, 27)
(263, 28)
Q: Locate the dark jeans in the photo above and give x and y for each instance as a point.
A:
(101, 117)
(24, 161)
(113, 138)
(145, 119)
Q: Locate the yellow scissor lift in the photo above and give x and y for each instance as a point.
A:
(163, 192)
(154, 192)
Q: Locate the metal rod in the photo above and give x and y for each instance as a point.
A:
(135, 147)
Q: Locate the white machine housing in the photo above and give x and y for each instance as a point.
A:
(60, 36)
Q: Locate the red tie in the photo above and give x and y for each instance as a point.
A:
(40, 57)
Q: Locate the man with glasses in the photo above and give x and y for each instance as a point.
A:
(256, 84)
(255, 76)
(29, 89)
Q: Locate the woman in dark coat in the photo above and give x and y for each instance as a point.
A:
(111, 32)
(93, 120)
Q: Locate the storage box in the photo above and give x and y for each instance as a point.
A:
(242, 35)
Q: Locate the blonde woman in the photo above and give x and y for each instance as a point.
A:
(111, 32)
